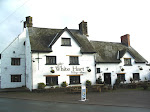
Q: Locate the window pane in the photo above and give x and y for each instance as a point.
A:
(98, 70)
(136, 76)
(74, 79)
(15, 61)
(15, 78)
(127, 61)
(51, 60)
(74, 60)
(66, 41)
(50, 81)
(121, 77)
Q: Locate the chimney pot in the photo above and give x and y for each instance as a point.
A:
(28, 22)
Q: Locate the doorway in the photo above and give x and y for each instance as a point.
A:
(107, 78)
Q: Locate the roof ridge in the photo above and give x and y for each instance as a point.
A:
(55, 28)
(47, 28)
(105, 41)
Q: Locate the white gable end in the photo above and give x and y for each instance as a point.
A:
(16, 50)
(73, 49)
(127, 56)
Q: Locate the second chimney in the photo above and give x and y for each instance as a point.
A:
(83, 28)
(28, 22)
(125, 39)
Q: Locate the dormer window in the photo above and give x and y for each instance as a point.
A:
(66, 42)
(127, 61)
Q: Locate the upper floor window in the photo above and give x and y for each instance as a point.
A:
(15, 61)
(50, 60)
(127, 61)
(74, 60)
(66, 42)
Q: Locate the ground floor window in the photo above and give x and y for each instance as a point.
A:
(98, 70)
(74, 79)
(121, 77)
(15, 78)
(53, 80)
(136, 76)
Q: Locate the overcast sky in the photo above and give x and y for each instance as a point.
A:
(107, 20)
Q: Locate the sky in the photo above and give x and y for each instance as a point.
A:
(107, 20)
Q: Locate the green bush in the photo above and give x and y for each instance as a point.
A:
(131, 79)
(117, 82)
(99, 81)
(145, 85)
(41, 85)
(88, 83)
(64, 84)
(132, 86)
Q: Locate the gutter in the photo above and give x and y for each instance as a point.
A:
(31, 74)
(95, 65)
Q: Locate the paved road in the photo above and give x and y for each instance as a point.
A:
(18, 105)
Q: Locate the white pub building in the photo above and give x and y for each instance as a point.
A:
(53, 56)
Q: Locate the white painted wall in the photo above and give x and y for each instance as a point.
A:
(62, 53)
(114, 68)
(0, 73)
(7, 69)
(0, 67)
(28, 62)
(35, 72)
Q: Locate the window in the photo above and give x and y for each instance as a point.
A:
(127, 61)
(136, 76)
(98, 70)
(74, 60)
(0, 56)
(74, 79)
(15, 78)
(50, 81)
(66, 42)
(50, 60)
(121, 77)
(15, 61)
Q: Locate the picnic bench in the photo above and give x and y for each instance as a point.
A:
(97, 87)
(74, 89)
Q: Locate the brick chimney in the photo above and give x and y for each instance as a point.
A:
(28, 22)
(125, 39)
(83, 28)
